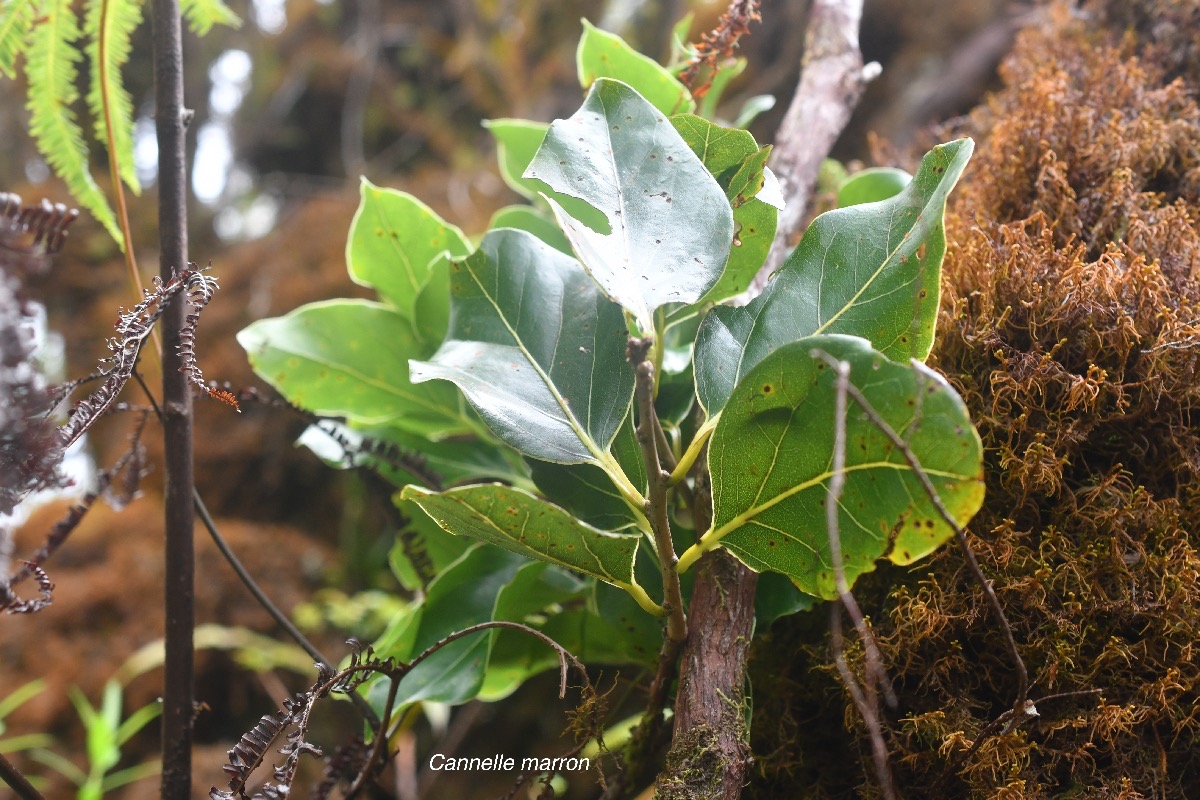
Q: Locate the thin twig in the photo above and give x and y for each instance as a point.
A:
(18, 782)
(865, 697)
(251, 585)
(1019, 705)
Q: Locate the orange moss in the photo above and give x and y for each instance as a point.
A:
(1071, 326)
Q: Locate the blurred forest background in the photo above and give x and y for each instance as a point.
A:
(305, 97)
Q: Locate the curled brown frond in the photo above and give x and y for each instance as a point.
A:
(199, 290)
(718, 45)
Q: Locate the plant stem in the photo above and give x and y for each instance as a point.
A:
(13, 777)
(830, 85)
(171, 127)
(656, 502)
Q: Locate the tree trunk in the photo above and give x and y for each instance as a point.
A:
(710, 747)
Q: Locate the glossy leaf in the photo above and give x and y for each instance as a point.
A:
(395, 241)
(587, 492)
(671, 227)
(870, 271)
(606, 55)
(739, 167)
(537, 348)
(532, 220)
(872, 186)
(770, 461)
(520, 522)
(349, 358)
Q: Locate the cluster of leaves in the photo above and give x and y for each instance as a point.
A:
(644, 219)
(46, 34)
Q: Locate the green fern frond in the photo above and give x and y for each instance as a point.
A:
(110, 25)
(202, 15)
(16, 17)
(50, 61)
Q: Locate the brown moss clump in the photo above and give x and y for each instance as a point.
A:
(1071, 326)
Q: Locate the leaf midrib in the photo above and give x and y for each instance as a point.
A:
(565, 407)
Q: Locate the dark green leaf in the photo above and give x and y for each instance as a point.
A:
(395, 240)
(587, 492)
(606, 55)
(532, 220)
(778, 597)
(350, 358)
(738, 164)
(870, 271)
(518, 521)
(770, 461)
(463, 595)
(671, 226)
(537, 349)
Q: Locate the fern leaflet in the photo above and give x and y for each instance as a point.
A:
(202, 15)
(50, 69)
(16, 17)
(111, 24)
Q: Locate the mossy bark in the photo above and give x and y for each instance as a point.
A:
(710, 752)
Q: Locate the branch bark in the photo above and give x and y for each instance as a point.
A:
(171, 126)
(831, 84)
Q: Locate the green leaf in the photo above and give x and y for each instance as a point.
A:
(671, 226)
(739, 167)
(396, 242)
(50, 69)
(606, 55)
(518, 521)
(537, 349)
(531, 220)
(759, 104)
(202, 15)
(871, 271)
(587, 492)
(19, 696)
(770, 458)
(349, 358)
(16, 19)
(517, 140)
(778, 597)
(721, 79)
(872, 186)
(537, 587)
(463, 595)
(111, 24)
(452, 460)
(431, 311)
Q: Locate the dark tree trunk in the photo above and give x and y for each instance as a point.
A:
(171, 125)
(710, 750)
